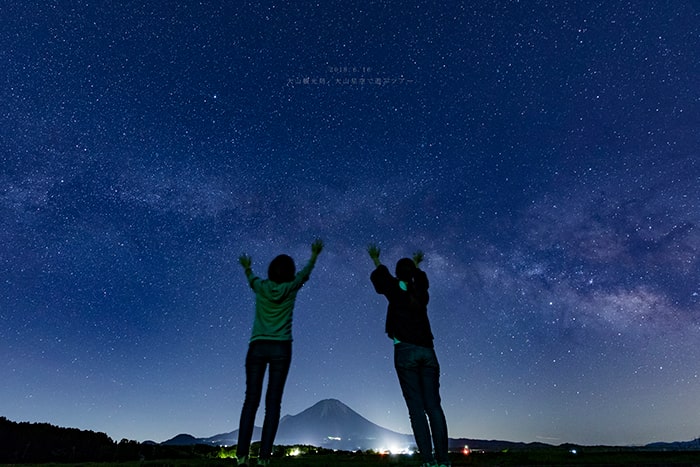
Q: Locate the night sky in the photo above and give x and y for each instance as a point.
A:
(544, 156)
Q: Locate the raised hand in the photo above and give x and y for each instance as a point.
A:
(317, 247)
(418, 257)
(245, 261)
(374, 252)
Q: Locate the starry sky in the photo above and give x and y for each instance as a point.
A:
(543, 155)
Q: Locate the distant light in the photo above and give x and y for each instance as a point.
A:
(466, 451)
(574, 451)
(224, 454)
(394, 450)
(295, 452)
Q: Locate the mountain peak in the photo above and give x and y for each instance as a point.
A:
(331, 405)
(328, 423)
(330, 402)
(329, 409)
(183, 439)
(331, 423)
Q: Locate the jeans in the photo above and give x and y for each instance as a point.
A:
(419, 375)
(261, 353)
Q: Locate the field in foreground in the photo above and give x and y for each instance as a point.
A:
(28, 444)
(539, 458)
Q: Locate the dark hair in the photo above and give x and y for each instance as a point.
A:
(281, 269)
(405, 269)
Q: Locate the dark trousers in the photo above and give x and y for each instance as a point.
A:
(261, 354)
(419, 375)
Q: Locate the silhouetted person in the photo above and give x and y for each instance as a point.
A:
(415, 361)
(270, 344)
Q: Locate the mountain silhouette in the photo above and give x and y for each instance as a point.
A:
(328, 423)
(332, 424)
(182, 439)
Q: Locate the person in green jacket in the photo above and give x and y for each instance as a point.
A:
(270, 345)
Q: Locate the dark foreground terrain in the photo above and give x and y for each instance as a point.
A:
(28, 444)
(535, 458)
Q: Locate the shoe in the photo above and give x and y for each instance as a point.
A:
(243, 461)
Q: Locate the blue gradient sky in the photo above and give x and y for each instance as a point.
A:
(543, 155)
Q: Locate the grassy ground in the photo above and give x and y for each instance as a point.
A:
(526, 458)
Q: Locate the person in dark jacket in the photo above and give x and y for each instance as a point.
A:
(416, 363)
(270, 345)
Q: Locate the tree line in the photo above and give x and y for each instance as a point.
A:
(23, 442)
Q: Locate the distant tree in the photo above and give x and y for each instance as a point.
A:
(42, 442)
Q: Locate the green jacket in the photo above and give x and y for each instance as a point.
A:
(274, 304)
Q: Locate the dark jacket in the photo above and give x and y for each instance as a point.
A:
(407, 313)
